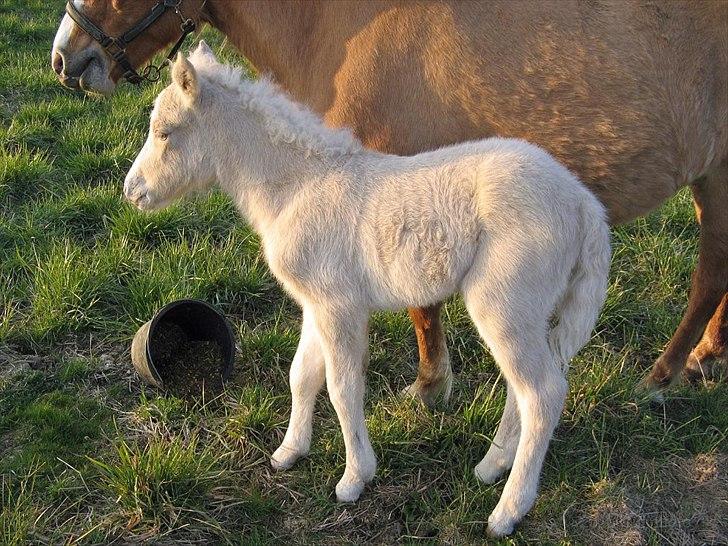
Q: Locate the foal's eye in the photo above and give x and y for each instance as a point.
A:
(162, 136)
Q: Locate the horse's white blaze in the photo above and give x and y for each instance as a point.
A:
(65, 29)
(63, 35)
(348, 231)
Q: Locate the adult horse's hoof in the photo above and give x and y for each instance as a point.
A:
(650, 390)
(431, 393)
(662, 376)
(706, 367)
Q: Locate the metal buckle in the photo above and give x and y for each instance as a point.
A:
(187, 26)
(117, 53)
(151, 73)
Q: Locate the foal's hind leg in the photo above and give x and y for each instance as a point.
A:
(306, 378)
(709, 280)
(502, 451)
(434, 375)
(540, 389)
(523, 355)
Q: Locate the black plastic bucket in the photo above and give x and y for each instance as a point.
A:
(199, 321)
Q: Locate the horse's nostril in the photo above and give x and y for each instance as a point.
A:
(91, 59)
(68, 65)
(131, 187)
(57, 63)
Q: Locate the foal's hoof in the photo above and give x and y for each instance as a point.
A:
(284, 458)
(489, 473)
(500, 525)
(349, 490)
(432, 392)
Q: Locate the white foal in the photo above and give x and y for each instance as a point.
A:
(348, 231)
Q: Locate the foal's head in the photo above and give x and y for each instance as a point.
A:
(176, 157)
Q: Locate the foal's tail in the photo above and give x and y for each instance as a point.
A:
(585, 293)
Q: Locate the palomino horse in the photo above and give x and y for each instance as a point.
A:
(348, 231)
(631, 96)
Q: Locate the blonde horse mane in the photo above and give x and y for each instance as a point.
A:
(284, 120)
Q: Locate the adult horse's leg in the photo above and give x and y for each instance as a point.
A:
(709, 360)
(434, 375)
(709, 280)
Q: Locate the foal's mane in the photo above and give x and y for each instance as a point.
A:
(283, 119)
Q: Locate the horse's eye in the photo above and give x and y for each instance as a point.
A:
(162, 136)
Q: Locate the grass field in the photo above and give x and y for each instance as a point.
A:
(89, 456)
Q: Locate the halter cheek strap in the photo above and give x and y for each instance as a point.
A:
(116, 47)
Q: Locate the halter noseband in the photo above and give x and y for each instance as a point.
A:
(116, 47)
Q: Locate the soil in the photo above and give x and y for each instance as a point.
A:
(188, 368)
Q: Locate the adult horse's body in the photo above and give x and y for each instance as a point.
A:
(633, 97)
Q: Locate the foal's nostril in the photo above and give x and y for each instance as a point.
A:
(132, 187)
(127, 189)
(57, 63)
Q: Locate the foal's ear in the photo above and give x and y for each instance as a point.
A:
(185, 76)
(204, 50)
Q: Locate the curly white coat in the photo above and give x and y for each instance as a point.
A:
(348, 231)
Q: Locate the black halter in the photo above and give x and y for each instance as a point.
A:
(116, 47)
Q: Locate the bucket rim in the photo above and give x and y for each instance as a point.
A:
(228, 365)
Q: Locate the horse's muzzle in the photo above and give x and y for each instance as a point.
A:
(71, 83)
(86, 70)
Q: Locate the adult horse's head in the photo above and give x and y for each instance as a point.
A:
(99, 41)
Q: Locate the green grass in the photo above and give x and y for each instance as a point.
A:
(165, 473)
(88, 455)
(17, 510)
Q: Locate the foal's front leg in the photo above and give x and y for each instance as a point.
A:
(307, 378)
(344, 341)
(502, 451)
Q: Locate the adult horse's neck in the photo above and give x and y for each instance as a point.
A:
(273, 36)
(302, 44)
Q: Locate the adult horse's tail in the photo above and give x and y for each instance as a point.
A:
(585, 293)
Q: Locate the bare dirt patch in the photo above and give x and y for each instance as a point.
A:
(13, 362)
(678, 501)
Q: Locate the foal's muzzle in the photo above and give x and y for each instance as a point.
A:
(135, 191)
